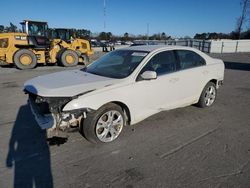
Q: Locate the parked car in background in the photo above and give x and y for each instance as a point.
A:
(95, 44)
(123, 88)
(129, 43)
(118, 42)
(138, 44)
(141, 43)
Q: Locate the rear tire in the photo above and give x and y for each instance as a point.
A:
(103, 125)
(69, 58)
(85, 59)
(208, 95)
(25, 59)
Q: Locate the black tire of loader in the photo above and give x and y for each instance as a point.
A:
(66, 53)
(26, 52)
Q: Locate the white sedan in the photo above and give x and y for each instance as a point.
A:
(124, 87)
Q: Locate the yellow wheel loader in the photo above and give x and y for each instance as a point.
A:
(32, 46)
(63, 38)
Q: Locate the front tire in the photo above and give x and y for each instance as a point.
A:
(104, 125)
(69, 58)
(25, 59)
(208, 95)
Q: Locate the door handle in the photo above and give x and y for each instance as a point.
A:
(173, 80)
(205, 72)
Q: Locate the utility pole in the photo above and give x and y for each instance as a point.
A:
(104, 15)
(147, 30)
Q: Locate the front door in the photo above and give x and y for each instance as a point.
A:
(152, 96)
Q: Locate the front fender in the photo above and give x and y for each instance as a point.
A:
(96, 100)
(92, 102)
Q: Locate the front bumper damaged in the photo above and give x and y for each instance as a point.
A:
(49, 115)
(45, 121)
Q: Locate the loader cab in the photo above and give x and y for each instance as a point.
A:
(35, 28)
(62, 33)
(37, 33)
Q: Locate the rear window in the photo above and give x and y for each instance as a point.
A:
(4, 43)
(189, 59)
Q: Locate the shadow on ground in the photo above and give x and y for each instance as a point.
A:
(237, 66)
(29, 152)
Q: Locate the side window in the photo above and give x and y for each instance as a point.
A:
(189, 59)
(162, 63)
(4, 43)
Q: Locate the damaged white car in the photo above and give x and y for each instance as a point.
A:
(124, 87)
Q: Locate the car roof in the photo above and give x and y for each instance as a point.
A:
(150, 48)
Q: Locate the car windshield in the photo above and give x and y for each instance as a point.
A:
(117, 64)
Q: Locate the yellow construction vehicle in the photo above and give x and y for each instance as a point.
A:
(33, 46)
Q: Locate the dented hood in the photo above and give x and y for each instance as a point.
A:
(67, 83)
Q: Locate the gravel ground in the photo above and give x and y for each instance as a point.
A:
(185, 147)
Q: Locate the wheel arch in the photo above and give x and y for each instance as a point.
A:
(214, 81)
(125, 109)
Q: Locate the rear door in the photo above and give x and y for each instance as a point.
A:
(192, 75)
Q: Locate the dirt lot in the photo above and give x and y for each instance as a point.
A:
(186, 147)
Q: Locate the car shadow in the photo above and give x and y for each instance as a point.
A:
(237, 66)
(29, 152)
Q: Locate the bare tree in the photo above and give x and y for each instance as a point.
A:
(126, 36)
(242, 19)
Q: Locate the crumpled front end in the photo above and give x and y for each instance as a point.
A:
(49, 115)
(44, 120)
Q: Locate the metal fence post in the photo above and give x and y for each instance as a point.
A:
(222, 45)
(209, 47)
(203, 42)
(237, 43)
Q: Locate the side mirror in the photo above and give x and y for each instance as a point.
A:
(149, 75)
